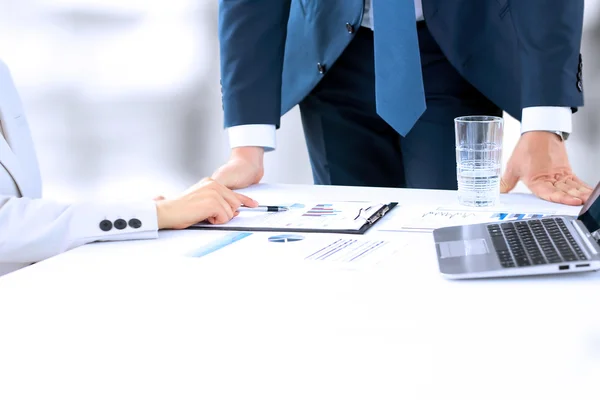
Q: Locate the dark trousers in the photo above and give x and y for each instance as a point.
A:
(349, 144)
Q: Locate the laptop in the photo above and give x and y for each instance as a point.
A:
(549, 245)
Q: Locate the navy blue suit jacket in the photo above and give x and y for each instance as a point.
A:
(519, 53)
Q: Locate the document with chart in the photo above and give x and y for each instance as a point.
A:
(334, 249)
(333, 217)
(426, 219)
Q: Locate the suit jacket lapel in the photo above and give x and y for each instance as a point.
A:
(17, 153)
(11, 164)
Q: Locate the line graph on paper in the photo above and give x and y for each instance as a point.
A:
(426, 219)
(493, 216)
(456, 215)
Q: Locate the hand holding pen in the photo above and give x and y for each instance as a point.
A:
(266, 208)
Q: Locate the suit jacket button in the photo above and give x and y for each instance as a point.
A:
(321, 68)
(106, 225)
(120, 224)
(580, 85)
(349, 27)
(135, 223)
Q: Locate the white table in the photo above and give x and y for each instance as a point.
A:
(139, 321)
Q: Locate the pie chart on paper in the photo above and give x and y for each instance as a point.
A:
(286, 238)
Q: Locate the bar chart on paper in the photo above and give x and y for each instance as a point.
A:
(322, 210)
(515, 217)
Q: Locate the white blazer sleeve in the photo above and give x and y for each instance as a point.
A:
(32, 230)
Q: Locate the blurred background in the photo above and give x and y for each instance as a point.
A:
(124, 101)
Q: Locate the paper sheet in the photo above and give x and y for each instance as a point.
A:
(315, 216)
(426, 219)
(317, 247)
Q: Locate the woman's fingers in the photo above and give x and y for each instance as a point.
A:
(223, 211)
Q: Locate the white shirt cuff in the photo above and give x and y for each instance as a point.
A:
(252, 135)
(547, 119)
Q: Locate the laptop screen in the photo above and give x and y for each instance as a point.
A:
(590, 212)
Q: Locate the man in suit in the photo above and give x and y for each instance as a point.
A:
(379, 83)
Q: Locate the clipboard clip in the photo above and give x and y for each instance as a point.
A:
(378, 215)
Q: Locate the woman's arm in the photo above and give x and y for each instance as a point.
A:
(32, 230)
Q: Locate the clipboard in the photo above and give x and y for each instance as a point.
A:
(357, 218)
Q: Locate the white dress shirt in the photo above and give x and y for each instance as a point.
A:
(533, 118)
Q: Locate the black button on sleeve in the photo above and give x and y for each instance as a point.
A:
(120, 224)
(349, 27)
(579, 86)
(321, 68)
(135, 223)
(106, 225)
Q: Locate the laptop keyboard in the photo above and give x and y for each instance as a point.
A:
(534, 242)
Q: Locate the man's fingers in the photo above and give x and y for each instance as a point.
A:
(231, 176)
(223, 176)
(581, 184)
(510, 179)
(575, 191)
(547, 191)
(575, 183)
(508, 183)
(504, 187)
(238, 174)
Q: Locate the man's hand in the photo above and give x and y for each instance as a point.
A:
(540, 161)
(244, 168)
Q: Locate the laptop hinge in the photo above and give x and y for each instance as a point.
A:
(585, 235)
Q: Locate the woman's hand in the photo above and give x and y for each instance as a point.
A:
(207, 200)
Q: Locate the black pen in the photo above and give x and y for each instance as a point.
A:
(266, 208)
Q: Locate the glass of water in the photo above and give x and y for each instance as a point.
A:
(478, 159)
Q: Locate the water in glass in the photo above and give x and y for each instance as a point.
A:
(478, 172)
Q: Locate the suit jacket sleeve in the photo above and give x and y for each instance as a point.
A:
(36, 229)
(252, 37)
(549, 34)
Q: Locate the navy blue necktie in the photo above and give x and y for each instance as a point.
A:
(398, 78)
